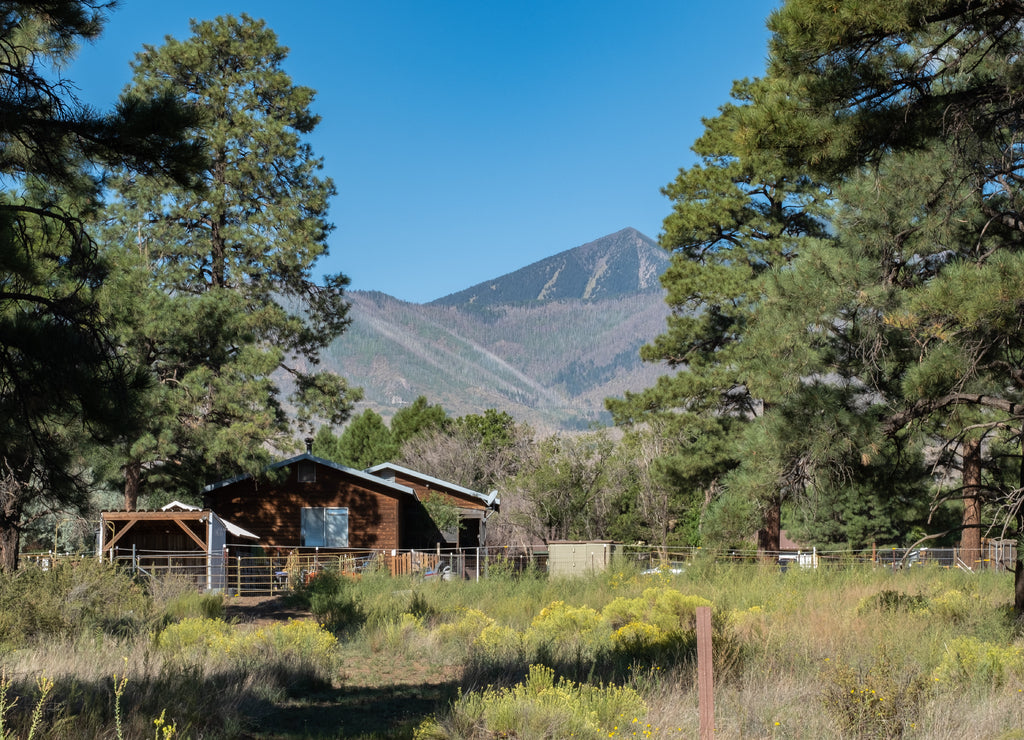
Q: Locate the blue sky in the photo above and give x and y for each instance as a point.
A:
(470, 138)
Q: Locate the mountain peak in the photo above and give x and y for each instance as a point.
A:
(626, 262)
(547, 343)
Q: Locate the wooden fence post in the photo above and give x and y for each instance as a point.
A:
(705, 674)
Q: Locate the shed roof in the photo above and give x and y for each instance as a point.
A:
(232, 528)
(176, 512)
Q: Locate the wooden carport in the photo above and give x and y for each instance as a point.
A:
(178, 537)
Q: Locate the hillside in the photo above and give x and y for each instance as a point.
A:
(547, 343)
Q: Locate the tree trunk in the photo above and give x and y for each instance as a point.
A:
(1018, 581)
(1018, 570)
(770, 535)
(970, 535)
(132, 480)
(10, 522)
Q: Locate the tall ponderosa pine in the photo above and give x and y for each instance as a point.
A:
(61, 383)
(215, 294)
(912, 112)
(733, 222)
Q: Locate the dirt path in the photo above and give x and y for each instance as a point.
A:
(261, 610)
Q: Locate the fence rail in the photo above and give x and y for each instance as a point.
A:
(244, 572)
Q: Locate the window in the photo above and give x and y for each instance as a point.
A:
(307, 471)
(324, 526)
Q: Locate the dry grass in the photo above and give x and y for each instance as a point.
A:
(790, 643)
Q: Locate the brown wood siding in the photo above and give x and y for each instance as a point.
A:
(272, 510)
(455, 498)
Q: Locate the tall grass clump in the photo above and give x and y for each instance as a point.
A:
(70, 599)
(176, 598)
(880, 700)
(203, 677)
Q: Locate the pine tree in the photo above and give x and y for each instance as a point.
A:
(215, 296)
(366, 442)
(62, 384)
(415, 419)
(734, 223)
(911, 110)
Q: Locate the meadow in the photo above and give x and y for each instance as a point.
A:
(841, 652)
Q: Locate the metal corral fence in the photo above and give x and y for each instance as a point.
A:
(252, 572)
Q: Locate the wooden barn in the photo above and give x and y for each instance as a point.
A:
(473, 507)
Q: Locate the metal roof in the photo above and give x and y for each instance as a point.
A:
(489, 499)
(398, 488)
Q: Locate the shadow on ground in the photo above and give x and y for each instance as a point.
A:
(356, 712)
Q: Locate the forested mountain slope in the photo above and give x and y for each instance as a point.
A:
(547, 343)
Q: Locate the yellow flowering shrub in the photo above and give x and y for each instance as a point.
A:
(638, 637)
(540, 706)
(953, 605)
(466, 628)
(663, 606)
(968, 660)
(298, 639)
(498, 644)
(408, 629)
(560, 630)
(195, 639)
(296, 642)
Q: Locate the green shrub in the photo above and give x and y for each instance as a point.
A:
(73, 598)
(338, 611)
(892, 601)
(192, 604)
(881, 701)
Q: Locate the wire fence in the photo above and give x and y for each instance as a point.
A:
(249, 571)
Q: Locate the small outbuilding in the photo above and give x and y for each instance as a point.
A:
(581, 557)
(178, 537)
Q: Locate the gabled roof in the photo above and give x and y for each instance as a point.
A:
(491, 500)
(376, 480)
